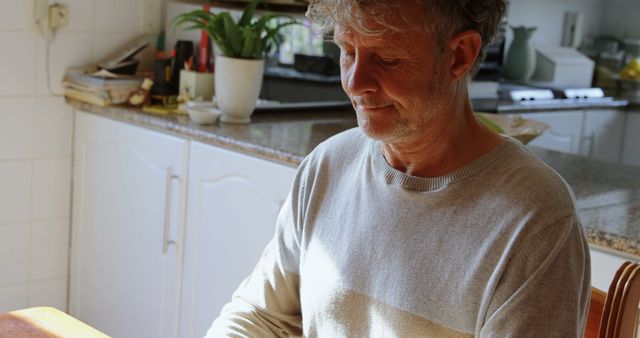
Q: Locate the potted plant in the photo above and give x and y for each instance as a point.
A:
(243, 45)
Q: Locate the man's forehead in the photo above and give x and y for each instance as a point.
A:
(374, 36)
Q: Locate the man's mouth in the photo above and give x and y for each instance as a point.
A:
(373, 107)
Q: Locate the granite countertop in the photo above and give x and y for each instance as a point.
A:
(503, 106)
(607, 197)
(607, 194)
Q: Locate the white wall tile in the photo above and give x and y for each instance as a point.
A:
(14, 253)
(106, 45)
(14, 14)
(16, 121)
(17, 73)
(15, 195)
(118, 16)
(52, 128)
(548, 17)
(35, 125)
(621, 19)
(52, 292)
(51, 188)
(67, 50)
(49, 249)
(14, 297)
(172, 35)
(80, 15)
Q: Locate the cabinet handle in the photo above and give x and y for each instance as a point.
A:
(167, 210)
(591, 138)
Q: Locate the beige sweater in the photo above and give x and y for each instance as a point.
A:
(493, 249)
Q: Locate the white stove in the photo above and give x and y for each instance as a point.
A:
(567, 98)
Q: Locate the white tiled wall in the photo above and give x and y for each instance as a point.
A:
(601, 17)
(36, 140)
(548, 17)
(621, 18)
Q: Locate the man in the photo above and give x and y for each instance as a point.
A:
(421, 222)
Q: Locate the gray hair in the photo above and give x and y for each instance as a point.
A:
(443, 18)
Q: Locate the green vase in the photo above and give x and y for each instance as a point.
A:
(521, 56)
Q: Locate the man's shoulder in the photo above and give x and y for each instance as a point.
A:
(345, 140)
(529, 181)
(333, 158)
(346, 144)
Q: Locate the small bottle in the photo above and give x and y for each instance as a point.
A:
(142, 96)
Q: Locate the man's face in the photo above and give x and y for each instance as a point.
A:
(396, 81)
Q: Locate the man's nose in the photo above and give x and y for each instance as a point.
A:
(362, 78)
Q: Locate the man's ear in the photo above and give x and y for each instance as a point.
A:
(464, 48)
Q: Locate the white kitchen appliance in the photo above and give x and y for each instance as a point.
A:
(566, 67)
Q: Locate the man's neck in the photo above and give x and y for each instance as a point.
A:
(444, 148)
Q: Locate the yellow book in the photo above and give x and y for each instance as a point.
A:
(88, 97)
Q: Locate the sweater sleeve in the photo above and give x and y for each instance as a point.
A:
(545, 288)
(267, 302)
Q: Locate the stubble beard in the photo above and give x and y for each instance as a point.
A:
(405, 124)
(386, 131)
(397, 127)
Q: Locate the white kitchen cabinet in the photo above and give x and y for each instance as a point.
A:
(602, 134)
(129, 190)
(604, 266)
(631, 147)
(565, 133)
(233, 203)
(596, 134)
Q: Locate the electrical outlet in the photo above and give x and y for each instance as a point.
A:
(151, 16)
(58, 17)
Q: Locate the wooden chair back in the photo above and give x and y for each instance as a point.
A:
(627, 323)
(614, 314)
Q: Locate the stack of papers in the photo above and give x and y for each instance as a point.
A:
(101, 88)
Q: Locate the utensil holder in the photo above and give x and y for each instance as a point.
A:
(197, 85)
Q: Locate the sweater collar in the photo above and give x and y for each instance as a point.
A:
(396, 177)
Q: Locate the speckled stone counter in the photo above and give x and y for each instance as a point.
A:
(607, 194)
(607, 198)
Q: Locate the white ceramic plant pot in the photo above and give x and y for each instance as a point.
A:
(238, 83)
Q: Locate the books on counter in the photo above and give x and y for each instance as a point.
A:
(100, 88)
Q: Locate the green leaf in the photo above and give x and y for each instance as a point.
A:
(259, 25)
(247, 14)
(244, 39)
(216, 25)
(198, 19)
(195, 26)
(232, 33)
(259, 49)
(248, 43)
(489, 124)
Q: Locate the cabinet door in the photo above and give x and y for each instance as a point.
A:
(128, 188)
(564, 133)
(604, 266)
(602, 134)
(631, 147)
(234, 200)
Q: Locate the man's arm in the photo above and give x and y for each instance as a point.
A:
(545, 288)
(267, 303)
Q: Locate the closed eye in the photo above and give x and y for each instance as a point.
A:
(388, 62)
